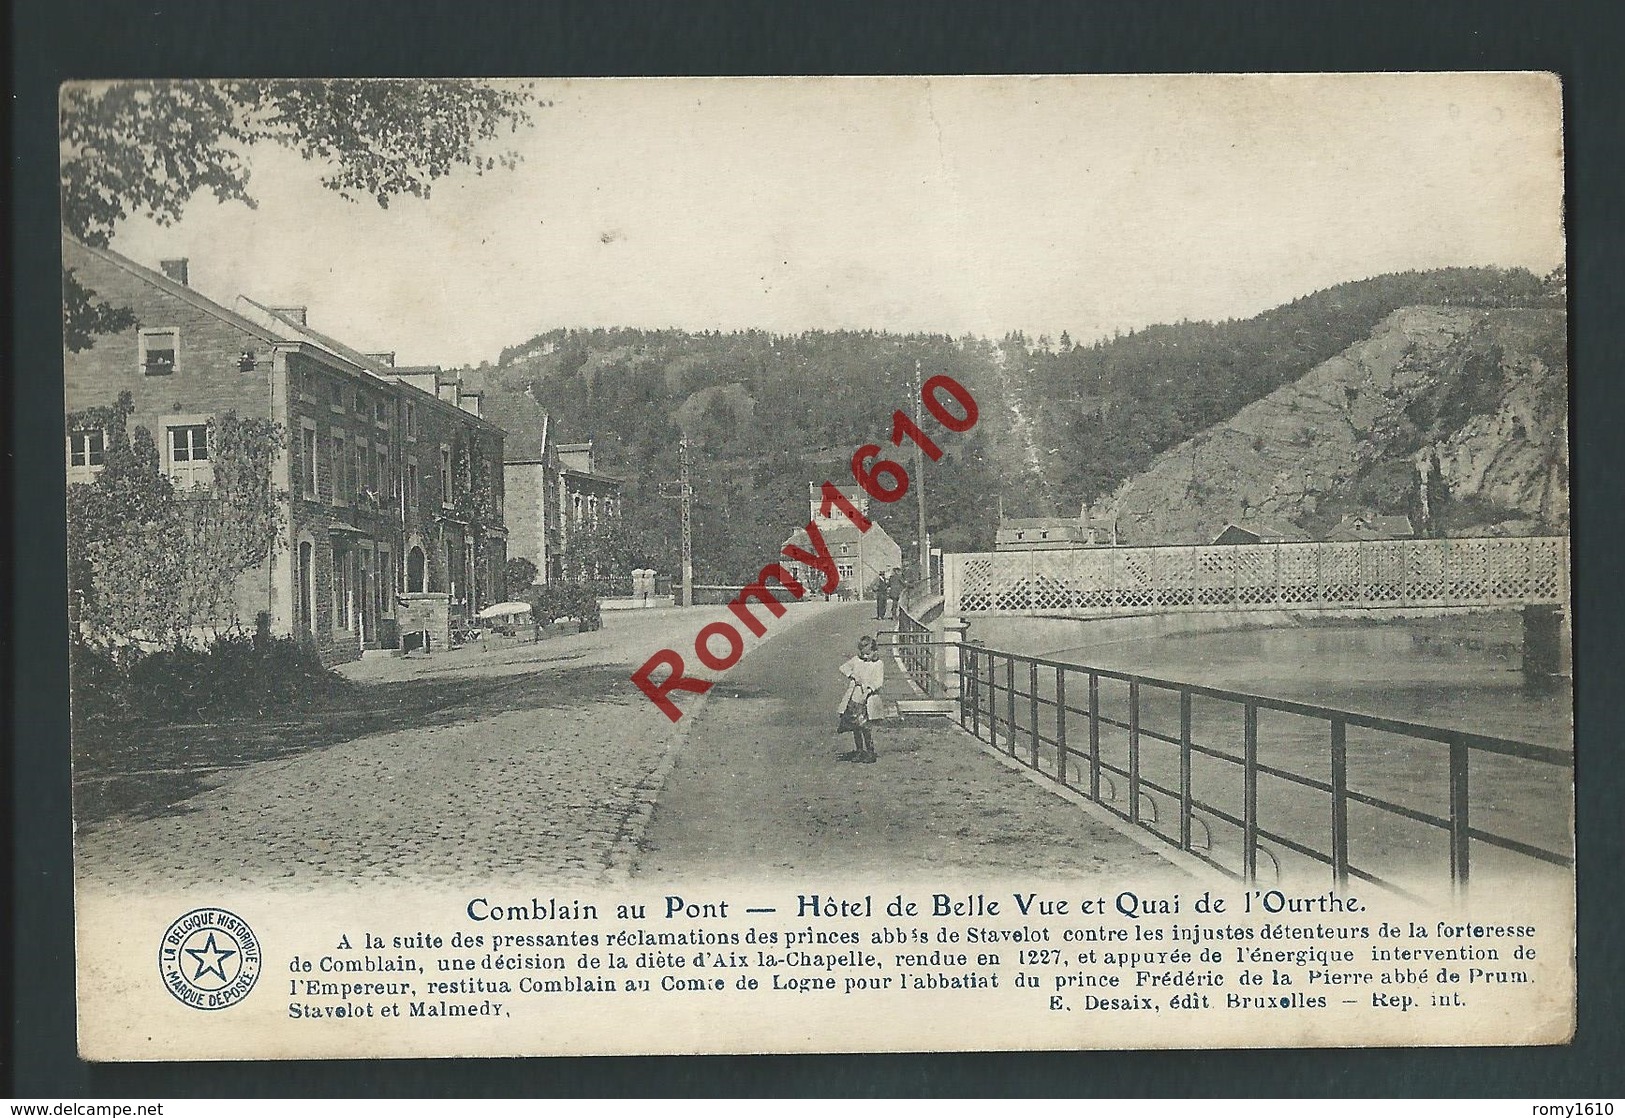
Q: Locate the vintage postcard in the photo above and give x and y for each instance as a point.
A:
(838, 564)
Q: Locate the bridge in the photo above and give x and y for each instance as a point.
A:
(1247, 782)
(1368, 574)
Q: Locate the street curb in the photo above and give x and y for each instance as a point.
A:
(1189, 863)
(1175, 857)
(622, 855)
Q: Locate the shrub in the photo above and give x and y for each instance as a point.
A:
(564, 598)
(237, 675)
(518, 576)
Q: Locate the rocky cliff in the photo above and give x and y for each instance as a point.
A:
(1455, 417)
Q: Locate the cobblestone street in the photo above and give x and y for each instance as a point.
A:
(549, 774)
(550, 769)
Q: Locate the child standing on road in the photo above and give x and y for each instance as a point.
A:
(861, 702)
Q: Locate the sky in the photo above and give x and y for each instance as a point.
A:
(949, 205)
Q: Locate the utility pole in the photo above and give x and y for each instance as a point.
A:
(685, 495)
(919, 483)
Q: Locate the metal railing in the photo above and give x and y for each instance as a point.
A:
(1097, 731)
(917, 648)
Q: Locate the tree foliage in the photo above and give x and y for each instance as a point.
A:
(154, 565)
(146, 148)
(1060, 425)
(518, 575)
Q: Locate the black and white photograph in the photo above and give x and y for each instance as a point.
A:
(724, 565)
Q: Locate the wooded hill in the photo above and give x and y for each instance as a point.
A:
(1061, 424)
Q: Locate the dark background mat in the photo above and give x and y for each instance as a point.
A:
(56, 40)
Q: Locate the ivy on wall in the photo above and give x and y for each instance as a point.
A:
(153, 564)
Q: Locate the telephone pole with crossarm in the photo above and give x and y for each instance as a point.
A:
(685, 494)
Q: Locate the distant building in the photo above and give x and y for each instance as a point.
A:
(860, 557)
(1046, 533)
(1360, 527)
(555, 492)
(388, 487)
(1256, 530)
(586, 499)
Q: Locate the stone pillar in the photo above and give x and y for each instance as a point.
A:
(953, 632)
(1543, 643)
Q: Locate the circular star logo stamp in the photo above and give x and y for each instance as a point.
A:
(209, 959)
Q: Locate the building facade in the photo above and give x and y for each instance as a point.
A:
(1047, 533)
(861, 558)
(556, 496)
(385, 487)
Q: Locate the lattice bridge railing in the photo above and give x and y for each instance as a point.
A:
(1369, 574)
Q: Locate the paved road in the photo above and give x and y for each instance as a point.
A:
(542, 763)
(527, 762)
(760, 791)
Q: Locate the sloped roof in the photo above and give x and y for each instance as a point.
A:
(1358, 527)
(1267, 530)
(271, 332)
(259, 312)
(839, 534)
(524, 420)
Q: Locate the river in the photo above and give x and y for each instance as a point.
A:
(1457, 672)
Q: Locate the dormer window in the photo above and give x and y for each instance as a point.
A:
(159, 350)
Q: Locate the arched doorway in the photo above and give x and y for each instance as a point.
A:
(414, 571)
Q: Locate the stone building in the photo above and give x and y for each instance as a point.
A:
(555, 493)
(860, 557)
(1047, 533)
(386, 486)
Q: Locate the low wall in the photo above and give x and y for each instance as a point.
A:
(659, 601)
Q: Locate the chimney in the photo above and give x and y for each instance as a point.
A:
(175, 270)
(448, 390)
(292, 314)
(385, 359)
(470, 401)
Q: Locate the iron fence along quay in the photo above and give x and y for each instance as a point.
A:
(1158, 753)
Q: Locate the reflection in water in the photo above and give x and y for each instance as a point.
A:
(1461, 672)
(1458, 672)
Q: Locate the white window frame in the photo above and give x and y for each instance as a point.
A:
(384, 475)
(310, 451)
(193, 473)
(338, 450)
(359, 455)
(146, 335)
(87, 470)
(385, 574)
(363, 472)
